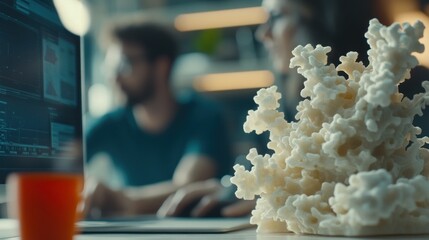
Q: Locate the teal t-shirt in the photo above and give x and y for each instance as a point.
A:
(143, 158)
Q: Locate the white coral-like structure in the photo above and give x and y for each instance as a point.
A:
(353, 163)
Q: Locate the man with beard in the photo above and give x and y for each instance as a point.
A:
(156, 142)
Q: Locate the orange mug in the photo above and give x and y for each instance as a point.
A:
(46, 204)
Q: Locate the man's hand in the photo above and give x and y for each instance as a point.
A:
(239, 208)
(102, 201)
(201, 199)
(186, 197)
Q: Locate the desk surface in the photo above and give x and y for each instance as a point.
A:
(248, 234)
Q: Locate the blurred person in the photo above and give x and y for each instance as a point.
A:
(156, 141)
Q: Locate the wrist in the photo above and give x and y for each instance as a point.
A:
(126, 204)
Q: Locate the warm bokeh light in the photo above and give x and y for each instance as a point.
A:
(412, 17)
(221, 19)
(74, 15)
(99, 99)
(234, 81)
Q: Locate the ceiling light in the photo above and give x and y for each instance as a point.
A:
(234, 81)
(221, 19)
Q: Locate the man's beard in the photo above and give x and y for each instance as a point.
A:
(146, 94)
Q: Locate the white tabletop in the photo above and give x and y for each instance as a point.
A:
(248, 234)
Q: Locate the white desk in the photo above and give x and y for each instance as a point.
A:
(248, 234)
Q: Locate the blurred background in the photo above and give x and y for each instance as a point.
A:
(219, 57)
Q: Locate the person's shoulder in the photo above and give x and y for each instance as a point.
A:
(194, 100)
(200, 107)
(114, 117)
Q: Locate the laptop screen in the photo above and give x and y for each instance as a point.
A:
(40, 90)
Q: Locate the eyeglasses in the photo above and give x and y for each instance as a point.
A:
(127, 63)
(116, 63)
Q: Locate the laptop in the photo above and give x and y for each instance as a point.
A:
(165, 225)
(9, 227)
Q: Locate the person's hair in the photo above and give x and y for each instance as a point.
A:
(156, 39)
(340, 24)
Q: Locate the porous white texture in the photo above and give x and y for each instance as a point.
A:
(352, 163)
